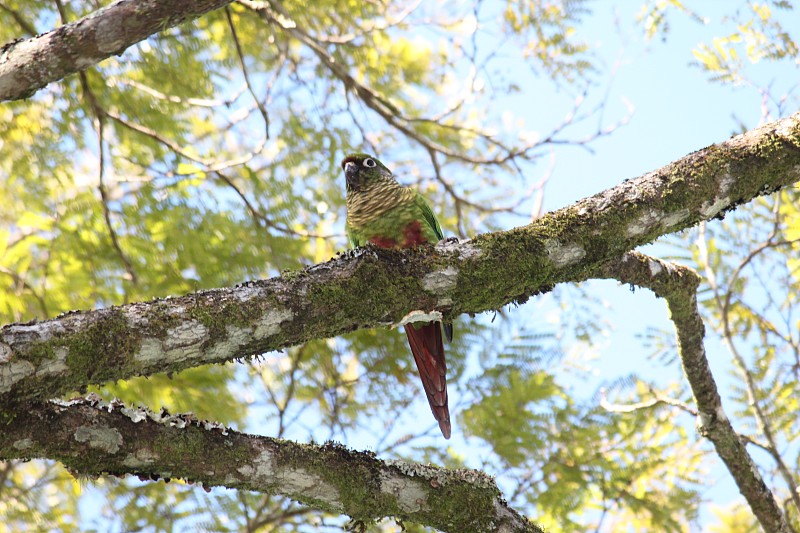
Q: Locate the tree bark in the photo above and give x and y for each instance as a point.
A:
(27, 65)
(92, 438)
(372, 287)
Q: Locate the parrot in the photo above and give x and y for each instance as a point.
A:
(384, 213)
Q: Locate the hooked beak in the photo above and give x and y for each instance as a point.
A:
(351, 175)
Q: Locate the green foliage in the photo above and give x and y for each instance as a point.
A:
(735, 519)
(757, 34)
(552, 33)
(567, 459)
(40, 494)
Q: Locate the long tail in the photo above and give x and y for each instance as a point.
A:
(428, 349)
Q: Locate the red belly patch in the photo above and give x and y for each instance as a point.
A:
(383, 242)
(412, 236)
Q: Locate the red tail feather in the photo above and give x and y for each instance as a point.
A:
(428, 349)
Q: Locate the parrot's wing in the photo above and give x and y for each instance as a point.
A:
(351, 236)
(430, 218)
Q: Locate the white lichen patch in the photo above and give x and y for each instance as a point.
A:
(412, 469)
(464, 249)
(440, 281)
(184, 342)
(270, 323)
(310, 485)
(721, 200)
(140, 459)
(13, 372)
(644, 223)
(562, 255)
(409, 494)
(725, 184)
(136, 414)
(187, 334)
(246, 293)
(261, 470)
(175, 422)
(673, 219)
(22, 444)
(67, 403)
(134, 317)
(101, 438)
(234, 337)
(655, 267)
(476, 478)
(5, 352)
(214, 426)
(710, 209)
(150, 351)
(420, 316)
(57, 365)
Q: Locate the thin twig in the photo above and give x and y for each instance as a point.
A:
(240, 55)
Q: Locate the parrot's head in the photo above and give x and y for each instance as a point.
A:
(362, 171)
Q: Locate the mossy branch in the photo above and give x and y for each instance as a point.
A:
(372, 287)
(678, 286)
(92, 438)
(27, 65)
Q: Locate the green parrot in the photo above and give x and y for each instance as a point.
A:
(382, 212)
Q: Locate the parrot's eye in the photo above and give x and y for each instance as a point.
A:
(369, 163)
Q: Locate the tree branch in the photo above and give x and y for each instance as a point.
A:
(373, 287)
(93, 438)
(678, 286)
(27, 65)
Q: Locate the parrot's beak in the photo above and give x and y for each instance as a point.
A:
(351, 175)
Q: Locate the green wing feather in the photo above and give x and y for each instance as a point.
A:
(351, 236)
(429, 217)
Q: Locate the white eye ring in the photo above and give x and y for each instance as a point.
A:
(369, 163)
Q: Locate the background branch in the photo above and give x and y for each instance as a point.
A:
(678, 285)
(93, 438)
(27, 65)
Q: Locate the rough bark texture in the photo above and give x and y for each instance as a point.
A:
(678, 286)
(27, 65)
(92, 438)
(372, 287)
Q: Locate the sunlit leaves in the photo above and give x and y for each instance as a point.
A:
(39, 494)
(733, 519)
(654, 16)
(554, 41)
(506, 414)
(757, 34)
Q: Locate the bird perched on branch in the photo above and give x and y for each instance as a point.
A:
(383, 213)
